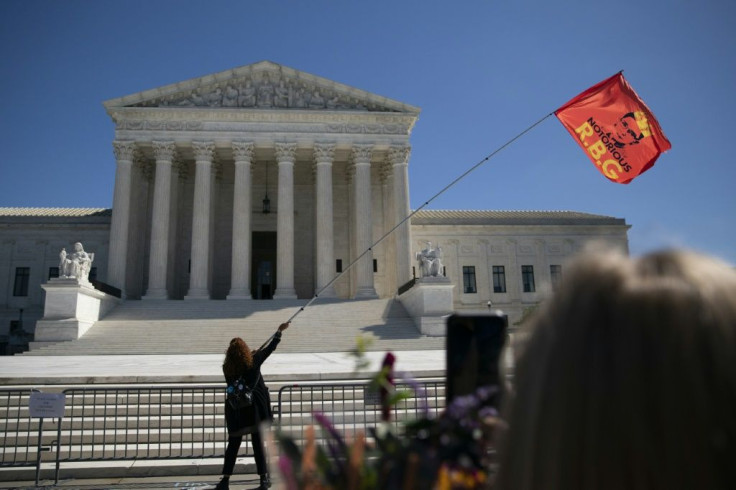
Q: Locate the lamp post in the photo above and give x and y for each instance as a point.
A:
(266, 200)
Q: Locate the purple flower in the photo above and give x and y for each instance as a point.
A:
(287, 471)
(325, 423)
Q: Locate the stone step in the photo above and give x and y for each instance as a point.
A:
(205, 327)
(245, 471)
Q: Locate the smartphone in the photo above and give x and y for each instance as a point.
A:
(474, 344)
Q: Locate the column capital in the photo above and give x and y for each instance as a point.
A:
(124, 150)
(286, 152)
(243, 151)
(361, 154)
(203, 150)
(164, 150)
(399, 155)
(324, 152)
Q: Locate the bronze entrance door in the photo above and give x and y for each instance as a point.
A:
(263, 267)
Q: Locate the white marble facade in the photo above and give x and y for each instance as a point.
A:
(194, 161)
(536, 242)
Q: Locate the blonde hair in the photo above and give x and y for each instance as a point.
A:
(627, 379)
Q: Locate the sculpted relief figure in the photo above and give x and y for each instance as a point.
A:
(281, 98)
(214, 98)
(197, 98)
(430, 264)
(76, 265)
(333, 102)
(230, 98)
(265, 93)
(316, 102)
(299, 99)
(247, 95)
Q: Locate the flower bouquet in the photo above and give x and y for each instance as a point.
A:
(452, 450)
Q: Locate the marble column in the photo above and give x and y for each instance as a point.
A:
(285, 156)
(118, 254)
(324, 154)
(159, 251)
(389, 213)
(200, 257)
(399, 157)
(363, 221)
(240, 273)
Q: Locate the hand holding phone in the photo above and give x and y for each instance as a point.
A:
(474, 344)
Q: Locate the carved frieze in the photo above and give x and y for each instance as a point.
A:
(266, 90)
(154, 125)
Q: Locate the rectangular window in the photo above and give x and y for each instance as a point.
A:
(469, 279)
(499, 279)
(375, 265)
(21, 281)
(555, 274)
(527, 278)
(338, 265)
(53, 272)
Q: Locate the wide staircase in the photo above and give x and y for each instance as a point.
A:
(139, 429)
(204, 327)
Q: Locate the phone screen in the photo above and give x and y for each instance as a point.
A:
(474, 344)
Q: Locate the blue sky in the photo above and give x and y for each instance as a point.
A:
(481, 72)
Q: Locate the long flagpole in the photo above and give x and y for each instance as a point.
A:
(463, 175)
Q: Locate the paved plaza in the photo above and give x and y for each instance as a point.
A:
(203, 368)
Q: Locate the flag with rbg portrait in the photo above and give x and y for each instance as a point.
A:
(615, 129)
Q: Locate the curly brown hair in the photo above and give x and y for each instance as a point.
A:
(238, 357)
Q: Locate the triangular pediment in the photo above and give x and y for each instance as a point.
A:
(263, 85)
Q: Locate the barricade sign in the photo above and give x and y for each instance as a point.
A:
(47, 405)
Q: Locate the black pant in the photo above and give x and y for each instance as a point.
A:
(231, 453)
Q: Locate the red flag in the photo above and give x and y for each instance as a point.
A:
(615, 128)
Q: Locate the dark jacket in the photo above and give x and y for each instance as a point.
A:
(246, 420)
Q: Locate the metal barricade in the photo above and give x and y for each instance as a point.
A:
(152, 422)
(353, 407)
(184, 421)
(19, 432)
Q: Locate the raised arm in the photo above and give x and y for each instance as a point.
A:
(262, 354)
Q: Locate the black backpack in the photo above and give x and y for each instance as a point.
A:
(239, 394)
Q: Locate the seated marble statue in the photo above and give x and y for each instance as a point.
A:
(430, 264)
(76, 265)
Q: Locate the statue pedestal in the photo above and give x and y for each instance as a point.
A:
(429, 302)
(71, 307)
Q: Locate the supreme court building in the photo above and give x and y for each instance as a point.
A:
(265, 182)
